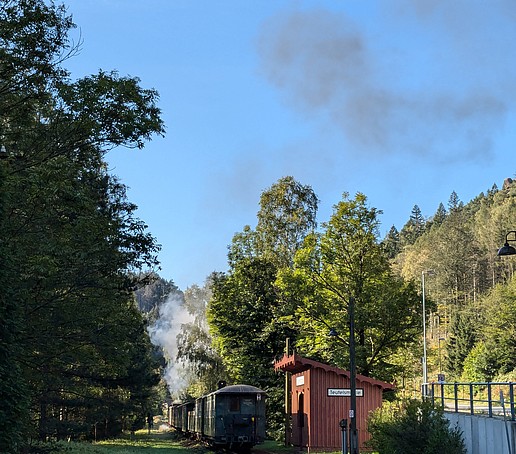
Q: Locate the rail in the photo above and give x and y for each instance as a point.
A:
(494, 399)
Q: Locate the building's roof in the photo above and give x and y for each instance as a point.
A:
(296, 364)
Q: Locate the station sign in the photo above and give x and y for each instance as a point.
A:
(345, 392)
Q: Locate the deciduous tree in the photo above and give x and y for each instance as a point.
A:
(70, 242)
(345, 261)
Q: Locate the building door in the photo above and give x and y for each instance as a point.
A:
(302, 420)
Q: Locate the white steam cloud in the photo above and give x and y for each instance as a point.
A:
(164, 332)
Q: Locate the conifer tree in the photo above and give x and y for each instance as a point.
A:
(461, 340)
(414, 227)
(454, 203)
(440, 215)
(391, 242)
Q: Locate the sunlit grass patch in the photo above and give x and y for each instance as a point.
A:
(142, 442)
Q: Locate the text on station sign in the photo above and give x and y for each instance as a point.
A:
(344, 392)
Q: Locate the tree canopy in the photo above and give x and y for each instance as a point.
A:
(346, 261)
(75, 347)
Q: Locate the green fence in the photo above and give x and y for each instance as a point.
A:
(494, 399)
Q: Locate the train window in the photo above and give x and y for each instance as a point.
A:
(234, 404)
(248, 405)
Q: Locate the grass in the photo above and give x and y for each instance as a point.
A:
(165, 442)
(140, 443)
(275, 447)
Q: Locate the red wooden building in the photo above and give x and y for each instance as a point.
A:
(319, 400)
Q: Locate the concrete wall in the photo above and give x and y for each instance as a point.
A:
(485, 435)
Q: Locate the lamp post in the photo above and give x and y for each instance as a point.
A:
(425, 369)
(353, 434)
(507, 249)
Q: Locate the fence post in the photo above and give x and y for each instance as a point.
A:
(456, 396)
(489, 401)
(472, 411)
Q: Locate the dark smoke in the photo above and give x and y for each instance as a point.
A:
(433, 78)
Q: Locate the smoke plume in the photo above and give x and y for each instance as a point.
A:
(164, 332)
(435, 78)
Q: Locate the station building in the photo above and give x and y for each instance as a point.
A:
(319, 401)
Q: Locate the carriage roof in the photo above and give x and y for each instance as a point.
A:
(239, 389)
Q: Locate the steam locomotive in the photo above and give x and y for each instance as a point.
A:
(232, 417)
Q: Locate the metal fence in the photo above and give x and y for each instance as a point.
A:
(493, 399)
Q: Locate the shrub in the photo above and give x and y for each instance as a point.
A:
(414, 427)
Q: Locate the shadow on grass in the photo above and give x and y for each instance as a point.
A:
(142, 442)
(170, 442)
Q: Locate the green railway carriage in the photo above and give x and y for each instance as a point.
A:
(232, 417)
(235, 416)
(178, 416)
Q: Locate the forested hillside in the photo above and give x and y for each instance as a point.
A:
(75, 357)
(153, 295)
(472, 287)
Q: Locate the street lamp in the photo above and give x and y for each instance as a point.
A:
(507, 249)
(353, 435)
(425, 368)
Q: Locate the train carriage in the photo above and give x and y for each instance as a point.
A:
(199, 417)
(178, 416)
(234, 416)
(231, 417)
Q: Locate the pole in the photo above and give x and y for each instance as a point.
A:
(425, 377)
(344, 427)
(502, 401)
(353, 438)
(288, 408)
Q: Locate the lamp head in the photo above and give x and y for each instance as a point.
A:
(506, 249)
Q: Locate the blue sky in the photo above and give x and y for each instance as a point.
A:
(402, 100)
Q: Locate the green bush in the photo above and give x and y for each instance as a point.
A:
(414, 427)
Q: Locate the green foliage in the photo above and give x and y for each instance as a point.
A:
(462, 338)
(454, 203)
(391, 243)
(440, 216)
(414, 228)
(247, 334)
(247, 317)
(70, 242)
(240, 315)
(479, 365)
(287, 214)
(413, 428)
(345, 261)
(13, 388)
(471, 285)
(494, 353)
(110, 110)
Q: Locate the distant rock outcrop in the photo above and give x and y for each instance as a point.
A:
(507, 183)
